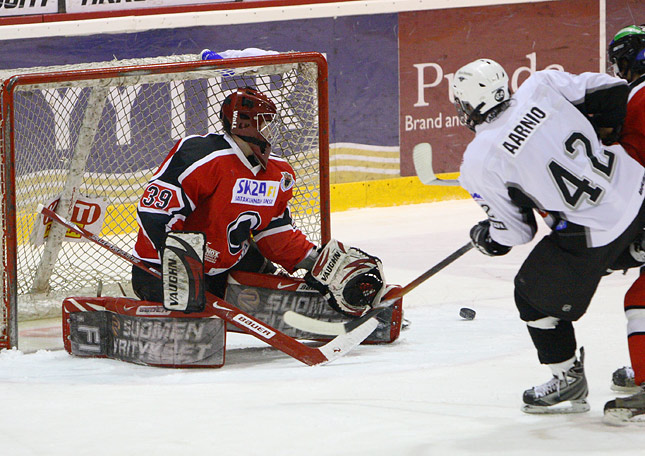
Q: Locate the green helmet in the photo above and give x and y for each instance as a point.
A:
(627, 50)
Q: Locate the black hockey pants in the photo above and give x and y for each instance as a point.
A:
(559, 278)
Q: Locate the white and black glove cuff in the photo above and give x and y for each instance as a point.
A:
(480, 237)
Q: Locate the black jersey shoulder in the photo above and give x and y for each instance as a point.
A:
(192, 150)
(197, 147)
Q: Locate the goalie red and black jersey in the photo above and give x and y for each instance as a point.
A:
(207, 184)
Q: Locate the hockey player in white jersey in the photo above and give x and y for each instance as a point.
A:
(539, 151)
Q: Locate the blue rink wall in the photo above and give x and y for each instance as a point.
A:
(361, 51)
(384, 68)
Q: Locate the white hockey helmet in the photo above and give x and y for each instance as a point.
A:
(479, 87)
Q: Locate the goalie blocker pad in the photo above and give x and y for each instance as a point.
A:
(182, 268)
(142, 332)
(268, 297)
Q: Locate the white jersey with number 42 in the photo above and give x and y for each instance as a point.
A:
(545, 148)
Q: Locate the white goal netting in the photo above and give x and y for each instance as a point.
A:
(86, 139)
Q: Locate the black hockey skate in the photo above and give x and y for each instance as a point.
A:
(624, 410)
(622, 381)
(552, 396)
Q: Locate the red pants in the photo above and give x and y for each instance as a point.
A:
(635, 313)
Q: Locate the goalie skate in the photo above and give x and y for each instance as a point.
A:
(622, 381)
(566, 394)
(625, 410)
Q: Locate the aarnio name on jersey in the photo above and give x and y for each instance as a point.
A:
(523, 129)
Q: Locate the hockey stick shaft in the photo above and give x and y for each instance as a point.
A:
(312, 325)
(432, 271)
(311, 356)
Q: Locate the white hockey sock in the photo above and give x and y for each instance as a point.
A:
(560, 369)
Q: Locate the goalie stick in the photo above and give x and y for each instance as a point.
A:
(422, 158)
(311, 356)
(327, 328)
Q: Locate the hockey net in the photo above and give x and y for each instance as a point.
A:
(85, 139)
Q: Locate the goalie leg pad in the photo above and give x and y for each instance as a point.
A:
(142, 332)
(269, 297)
(351, 280)
(183, 271)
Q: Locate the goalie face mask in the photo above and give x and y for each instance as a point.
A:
(252, 116)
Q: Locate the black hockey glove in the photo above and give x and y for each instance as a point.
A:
(609, 136)
(637, 248)
(606, 110)
(632, 257)
(480, 237)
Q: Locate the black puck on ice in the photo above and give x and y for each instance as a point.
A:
(466, 313)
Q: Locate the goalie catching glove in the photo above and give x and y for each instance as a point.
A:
(350, 279)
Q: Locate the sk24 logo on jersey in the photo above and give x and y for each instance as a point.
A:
(254, 192)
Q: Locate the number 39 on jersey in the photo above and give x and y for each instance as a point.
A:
(160, 196)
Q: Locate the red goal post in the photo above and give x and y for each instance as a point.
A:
(84, 139)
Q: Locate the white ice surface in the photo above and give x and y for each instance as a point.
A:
(446, 387)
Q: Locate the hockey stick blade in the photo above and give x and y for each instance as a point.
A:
(311, 356)
(328, 328)
(309, 324)
(331, 328)
(422, 158)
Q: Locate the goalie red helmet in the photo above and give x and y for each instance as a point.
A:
(252, 116)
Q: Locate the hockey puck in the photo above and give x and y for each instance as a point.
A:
(466, 313)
